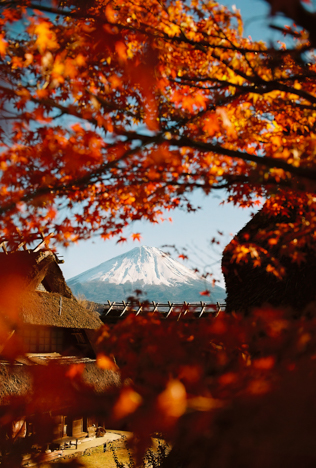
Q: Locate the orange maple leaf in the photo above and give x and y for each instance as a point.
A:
(127, 403)
(75, 370)
(136, 236)
(264, 363)
(104, 362)
(120, 48)
(173, 400)
(3, 45)
(110, 14)
(46, 39)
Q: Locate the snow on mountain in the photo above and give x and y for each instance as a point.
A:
(146, 268)
(147, 264)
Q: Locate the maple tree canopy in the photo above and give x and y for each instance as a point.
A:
(114, 111)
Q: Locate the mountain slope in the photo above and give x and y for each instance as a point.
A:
(148, 269)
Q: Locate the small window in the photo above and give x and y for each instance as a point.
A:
(43, 340)
(79, 337)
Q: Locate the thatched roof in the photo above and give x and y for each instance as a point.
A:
(14, 381)
(248, 286)
(47, 384)
(52, 309)
(30, 270)
(33, 289)
(54, 281)
(100, 379)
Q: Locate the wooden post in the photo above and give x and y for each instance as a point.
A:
(111, 306)
(126, 304)
(202, 309)
(170, 308)
(140, 308)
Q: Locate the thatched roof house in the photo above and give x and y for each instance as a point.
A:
(39, 308)
(47, 356)
(250, 286)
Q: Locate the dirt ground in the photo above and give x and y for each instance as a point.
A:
(96, 458)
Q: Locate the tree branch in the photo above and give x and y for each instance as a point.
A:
(294, 10)
(306, 173)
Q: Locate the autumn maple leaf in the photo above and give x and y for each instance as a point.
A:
(3, 45)
(46, 38)
(121, 239)
(211, 124)
(184, 257)
(136, 236)
(205, 293)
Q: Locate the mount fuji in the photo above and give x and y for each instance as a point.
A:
(156, 274)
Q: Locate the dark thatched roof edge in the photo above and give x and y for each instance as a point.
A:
(52, 309)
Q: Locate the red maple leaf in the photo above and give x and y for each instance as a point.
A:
(184, 257)
(121, 239)
(205, 293)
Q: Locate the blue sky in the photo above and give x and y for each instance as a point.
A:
(190, 230)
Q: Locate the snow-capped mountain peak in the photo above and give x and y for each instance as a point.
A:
(148, 265)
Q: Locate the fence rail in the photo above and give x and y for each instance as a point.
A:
(116, 310)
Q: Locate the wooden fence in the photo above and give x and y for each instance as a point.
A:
(114, 311)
